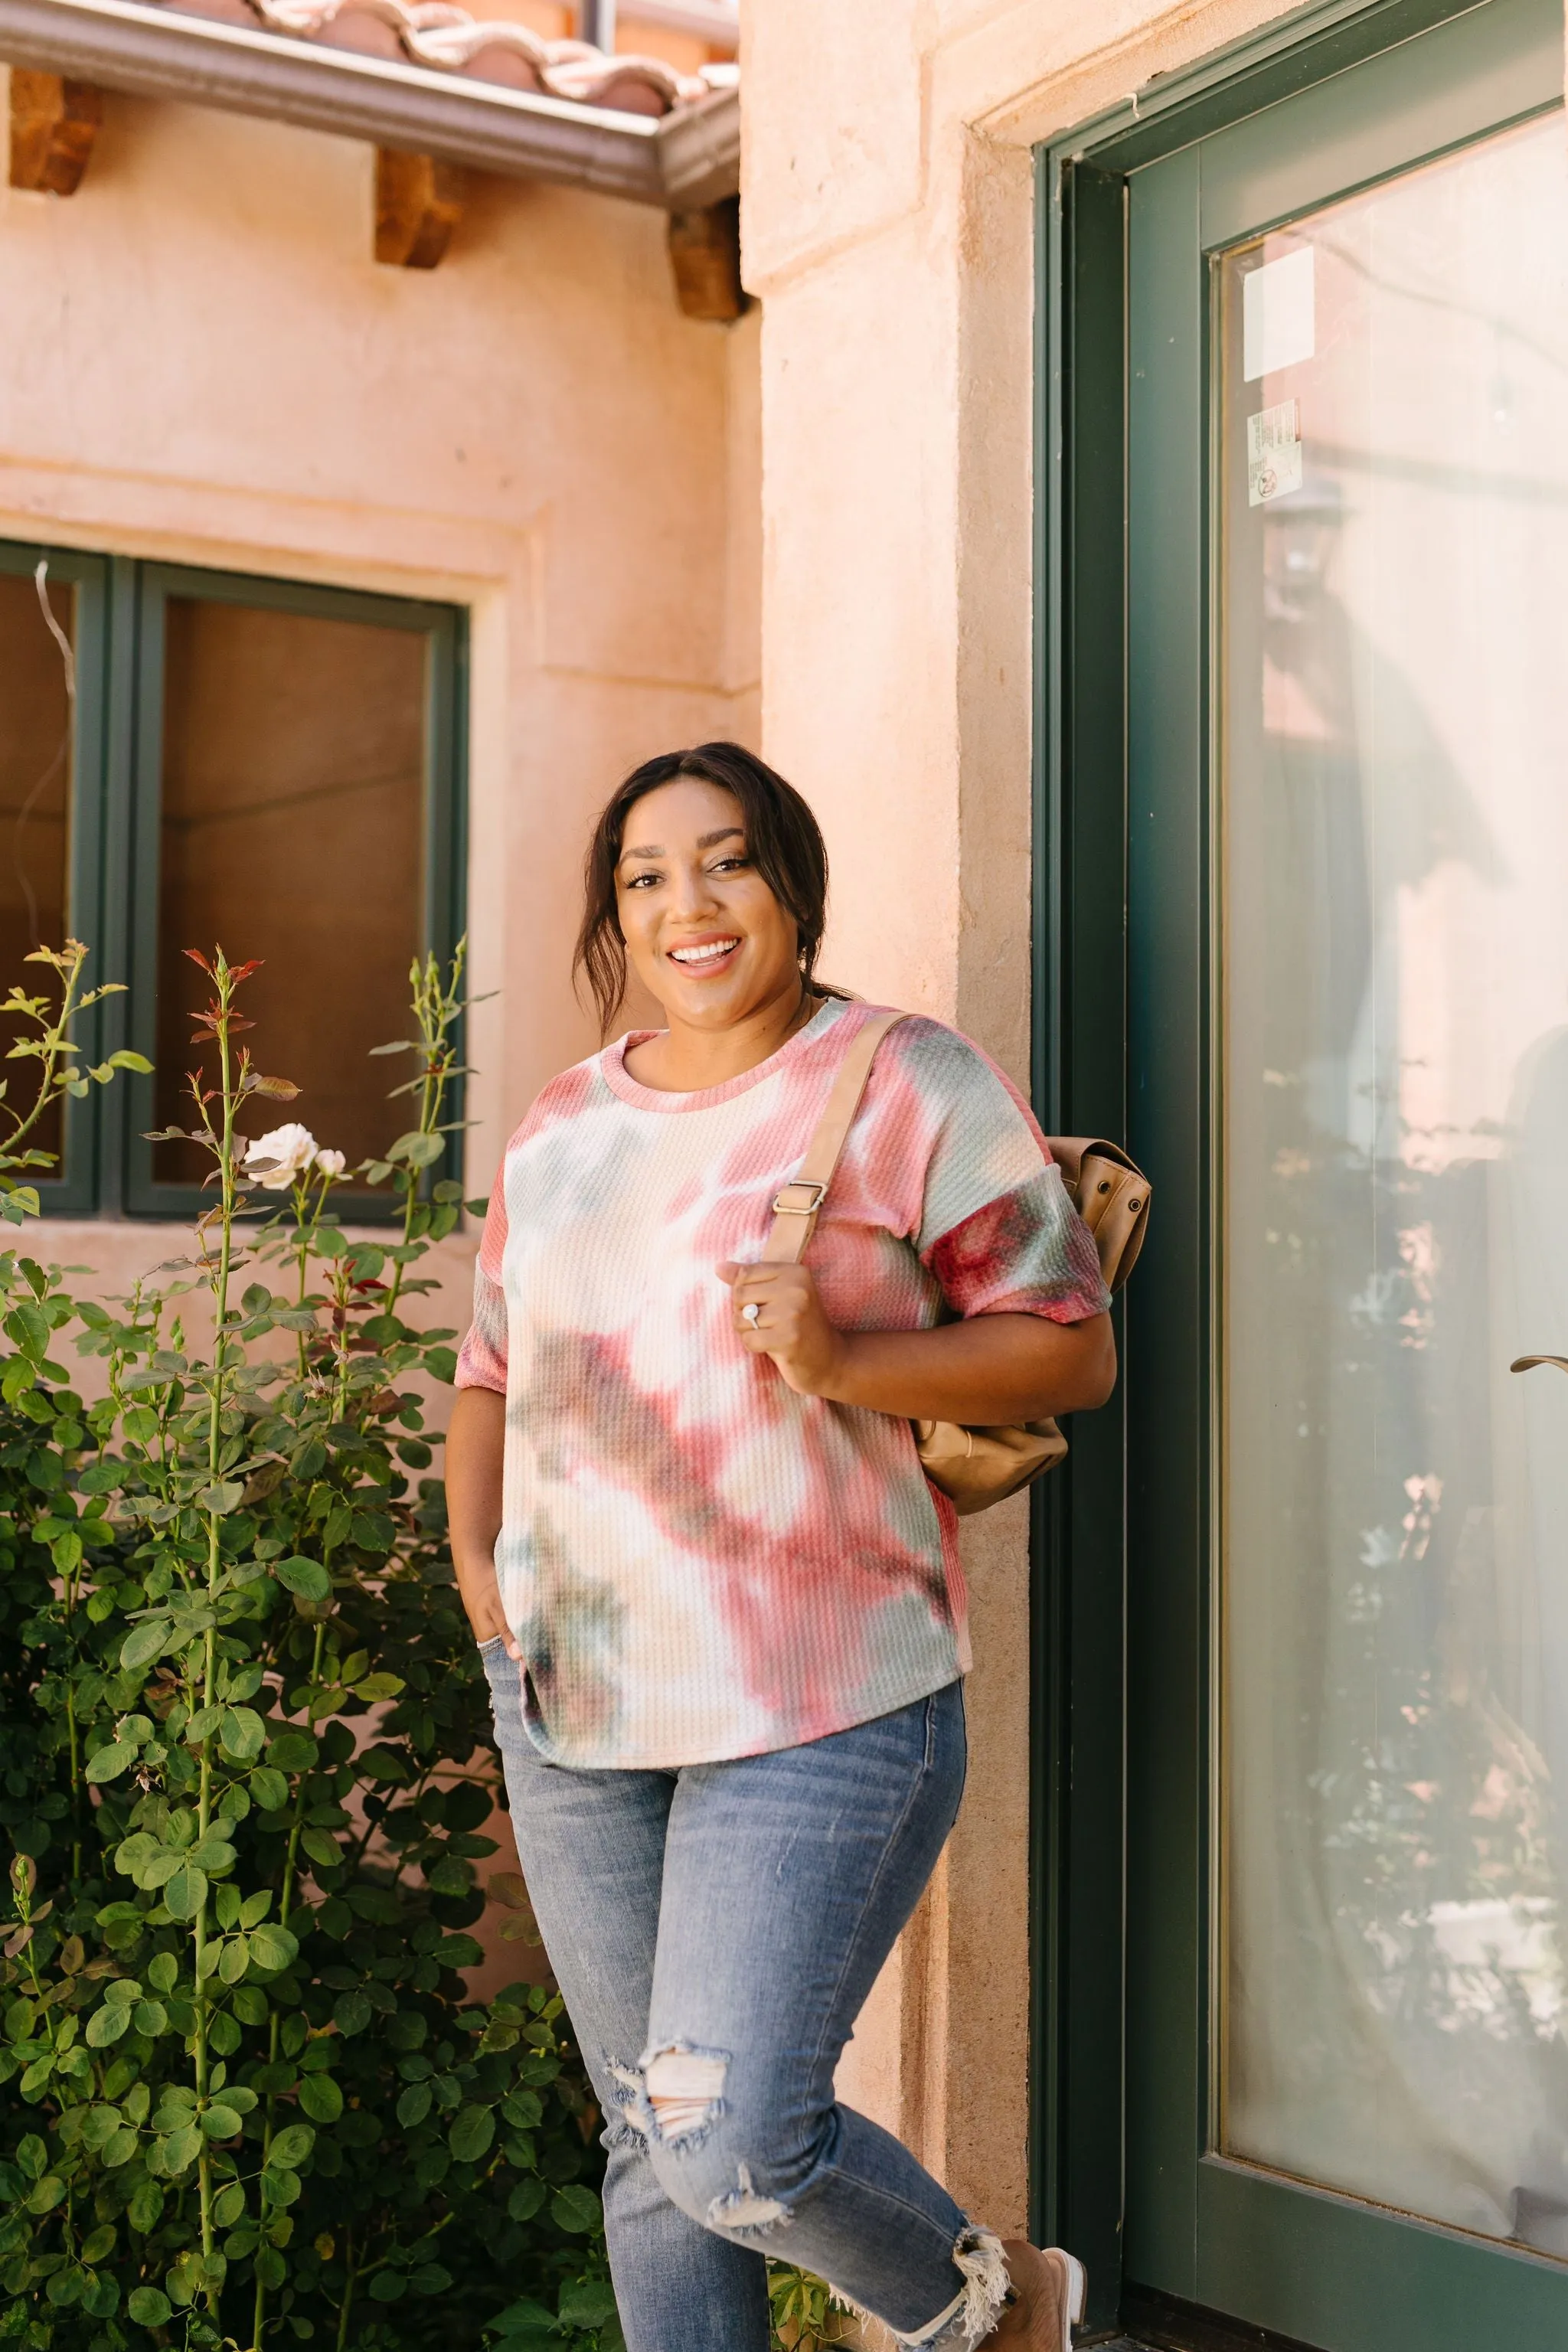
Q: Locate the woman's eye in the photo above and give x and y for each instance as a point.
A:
(638, 880)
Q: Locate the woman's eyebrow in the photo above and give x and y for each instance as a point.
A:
(704, 841)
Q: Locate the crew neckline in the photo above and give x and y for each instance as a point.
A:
(620, 1081)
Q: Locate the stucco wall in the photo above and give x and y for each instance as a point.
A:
(204, 363)
(887, 225)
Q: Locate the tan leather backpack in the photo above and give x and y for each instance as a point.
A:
(973, 1466)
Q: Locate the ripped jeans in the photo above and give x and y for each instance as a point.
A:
(714, 1930)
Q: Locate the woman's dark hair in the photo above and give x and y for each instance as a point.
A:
(783, 841)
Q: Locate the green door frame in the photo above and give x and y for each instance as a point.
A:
(1123, 1603)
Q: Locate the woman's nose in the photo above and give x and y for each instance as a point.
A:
(692, 892)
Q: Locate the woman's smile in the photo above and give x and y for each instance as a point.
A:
(706, 955)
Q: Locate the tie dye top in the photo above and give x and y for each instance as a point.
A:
(698, 1562)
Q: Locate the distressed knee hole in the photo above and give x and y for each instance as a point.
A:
(742, 2209)
(685, 2091)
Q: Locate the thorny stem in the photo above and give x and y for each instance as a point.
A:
(347, 2304)
(220, 1281)
(286, 1901)
(437, 1003)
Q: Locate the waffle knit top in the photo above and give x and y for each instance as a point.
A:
(698, 1562)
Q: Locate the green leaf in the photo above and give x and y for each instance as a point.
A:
(272, 1947)
(224, 1495)
(186, 1891)
(414, 2106)
(322, 1847)
(525, 2200)
(162, 1972)
(221, 2122)
(121, 2148)
(183, 2146)
(292, 2146)
(473, 2128)
(107, 2024)
(351, 2011)
(66, 1553)
(255, 1908)
(151, 2018)
(98, 2243)
(149, 2307)
(146, 2206)
(29, 1329)
(269, 1789)
(429, 2278)
(379, 1686)
(145, 1642)
(235, 1959)
(46, 2194)
(244, 1734)
(228, 2205)
(587, 2304)
(212, 1854)
(576, 2208)
(319, 2096)
(386, 2286)
(110, 1762)
(292, 1751)
(418, 1150)
(308, 1578)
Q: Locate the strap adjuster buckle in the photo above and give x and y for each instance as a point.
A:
(782, 1208)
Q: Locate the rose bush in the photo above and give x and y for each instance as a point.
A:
(246, 1767)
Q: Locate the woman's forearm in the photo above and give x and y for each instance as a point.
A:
(987, 1370)
(476, 1446)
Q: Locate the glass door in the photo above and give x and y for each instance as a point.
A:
(1348, 1596)
(1393, 751)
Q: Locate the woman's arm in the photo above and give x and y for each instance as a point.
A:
(476, 1443)
(987, 1370)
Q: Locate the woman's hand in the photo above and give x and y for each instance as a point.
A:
(789, 1325)
(482, 1599)
(986, 1370)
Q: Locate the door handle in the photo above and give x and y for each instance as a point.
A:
(1527, 1363)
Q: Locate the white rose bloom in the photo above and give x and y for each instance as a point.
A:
(330, 1163)
(290, 1150)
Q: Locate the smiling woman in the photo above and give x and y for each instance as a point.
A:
(723, 1607)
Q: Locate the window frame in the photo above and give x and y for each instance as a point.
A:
(113, 881)
(73, 1193)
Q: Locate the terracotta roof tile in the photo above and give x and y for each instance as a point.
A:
(432, 34)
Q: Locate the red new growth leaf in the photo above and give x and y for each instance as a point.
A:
(197, 957)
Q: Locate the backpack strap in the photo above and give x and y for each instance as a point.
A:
(798, 1203)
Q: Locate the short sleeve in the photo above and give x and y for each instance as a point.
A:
(483, 1357)
(997, 1228)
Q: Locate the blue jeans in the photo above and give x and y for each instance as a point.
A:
(714, 1930)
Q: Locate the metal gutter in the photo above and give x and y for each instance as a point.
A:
(699, 150)
(157, 53)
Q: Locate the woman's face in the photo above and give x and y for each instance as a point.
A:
(704, 933)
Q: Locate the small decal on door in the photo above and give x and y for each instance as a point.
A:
(1279, 315)
(1273, 452)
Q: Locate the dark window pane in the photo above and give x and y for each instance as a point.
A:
(35, 811)
(292, 832)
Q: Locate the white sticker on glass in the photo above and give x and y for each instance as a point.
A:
(1279, 325)
(1273, 453)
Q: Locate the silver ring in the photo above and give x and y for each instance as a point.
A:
(752, 1313)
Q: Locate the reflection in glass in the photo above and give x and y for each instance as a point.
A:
(292, 828)
(1396, 1204)
(36, 763)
